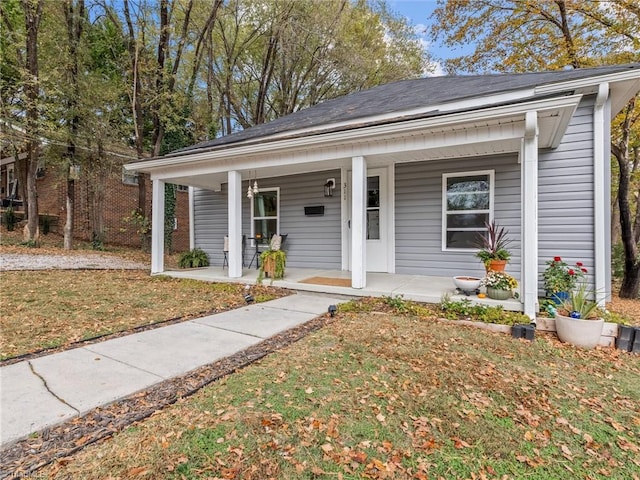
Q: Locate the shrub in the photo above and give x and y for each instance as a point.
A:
(193, 259)
(560, 277)
(10, 219)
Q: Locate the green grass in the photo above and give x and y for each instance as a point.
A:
(44, 309)
(383, 396)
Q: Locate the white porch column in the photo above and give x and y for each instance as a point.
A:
(234, 201)
(529, 243)
(157, 227)
(358, 222)
(192, 226)
(601, 151)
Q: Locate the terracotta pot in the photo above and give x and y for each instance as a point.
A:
(496, 265)
(498, 294)
(269, 267)
(579, 332)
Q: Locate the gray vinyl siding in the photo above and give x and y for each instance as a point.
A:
(565, 194)
(210, 222)
(312, 242)
(419, 215)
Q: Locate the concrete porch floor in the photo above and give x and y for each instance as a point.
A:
(418, 288)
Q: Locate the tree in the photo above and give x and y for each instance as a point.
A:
(519, 35)
(74, 13)
(277, 57)
(32, 17)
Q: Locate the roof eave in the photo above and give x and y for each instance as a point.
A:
(568, 102)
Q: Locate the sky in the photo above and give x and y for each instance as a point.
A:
(418, 12)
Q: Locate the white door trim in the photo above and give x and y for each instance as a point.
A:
(388, 200)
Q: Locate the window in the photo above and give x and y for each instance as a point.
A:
(265, 208)
(182, 188)
(467, 204)
(373, 208)
(129, 178)
(40, 172)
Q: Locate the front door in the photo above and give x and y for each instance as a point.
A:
(377, 221)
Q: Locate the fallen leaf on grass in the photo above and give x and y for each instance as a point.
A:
(138, 471)
(457, 443)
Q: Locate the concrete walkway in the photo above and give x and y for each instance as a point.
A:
(48, 390)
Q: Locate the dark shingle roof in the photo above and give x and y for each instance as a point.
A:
(402, 96)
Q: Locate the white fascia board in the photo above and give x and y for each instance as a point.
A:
(587, 82)
(620, 94)
(448, 122)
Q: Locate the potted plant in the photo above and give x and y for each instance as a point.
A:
(272, 263)
(579, 321)
(195, 258)
(500, 285)
(560, 279)
(493, 247)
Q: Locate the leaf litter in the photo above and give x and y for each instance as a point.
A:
(394, 397)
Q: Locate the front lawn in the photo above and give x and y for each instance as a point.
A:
(44, 309)
(378, 395)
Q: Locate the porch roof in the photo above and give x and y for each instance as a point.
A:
(411, 120)
(418, 98)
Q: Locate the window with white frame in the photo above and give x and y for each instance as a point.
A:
(182, 188)
(129, 177)
(265, 214)
(467, 205)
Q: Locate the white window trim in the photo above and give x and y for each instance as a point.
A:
(253, 219)
(129, 177)
(446, 176)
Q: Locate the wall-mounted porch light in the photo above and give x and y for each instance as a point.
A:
(329, 186)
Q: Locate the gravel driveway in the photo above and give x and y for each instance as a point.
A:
(22, 261)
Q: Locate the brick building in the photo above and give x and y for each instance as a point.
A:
(120, 191)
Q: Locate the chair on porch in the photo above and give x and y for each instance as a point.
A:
(225, 250)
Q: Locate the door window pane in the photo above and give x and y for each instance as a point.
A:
(373, 224)
(373, 192)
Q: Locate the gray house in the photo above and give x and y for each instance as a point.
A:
(402, 177)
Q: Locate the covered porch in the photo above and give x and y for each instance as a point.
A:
(419, 288)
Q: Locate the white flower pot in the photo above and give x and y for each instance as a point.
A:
(466, 284)
(579, 332)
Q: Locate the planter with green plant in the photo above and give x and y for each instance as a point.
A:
(560, 279)
(579, 320)
(493, 247)
(500, 285)
(272, 263)
(195, 258)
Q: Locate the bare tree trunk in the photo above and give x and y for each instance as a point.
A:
(74, 16)
(631, 281)
(33, 15)
(615, 221)
(96, 191)
(136, 106)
